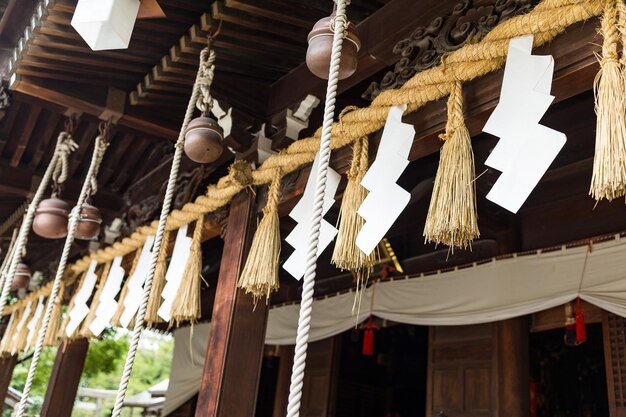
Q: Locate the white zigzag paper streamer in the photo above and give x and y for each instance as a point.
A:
(386, 199)
(80, 310)
(135, 283)
(182, 249)
(525, 149)
(107, 304)
(303, 214)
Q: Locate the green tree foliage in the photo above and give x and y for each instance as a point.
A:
(103, 366)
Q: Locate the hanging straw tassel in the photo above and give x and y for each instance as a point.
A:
(186, 305)
(609, 164)
(158, 283)
(347, 255)
(5, 344)
(115, 320)
(452, 218)
(85, 331)
(54, 325)
(259, 276)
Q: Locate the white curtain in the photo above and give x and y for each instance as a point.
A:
(187, 365)
(491, 291)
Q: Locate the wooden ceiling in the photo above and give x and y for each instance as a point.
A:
(57, 73)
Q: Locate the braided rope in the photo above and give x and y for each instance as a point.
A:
(101, 145)
(8, 256)
(545, 21)
(167, 202)
(63, 148)
(306, 305)
(61, 169)
(204, 102)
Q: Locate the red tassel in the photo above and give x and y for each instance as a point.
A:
(368, 342)
(581, 331)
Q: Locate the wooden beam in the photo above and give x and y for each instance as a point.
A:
(233, 360)
(17, 181)
(7, 365)
(24, 138)
(131, 123)
(65, 377)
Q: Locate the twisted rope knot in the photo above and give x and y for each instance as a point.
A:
(240, 172)
(102, 143)
(206, 73)
(65, 146)
(455, 111)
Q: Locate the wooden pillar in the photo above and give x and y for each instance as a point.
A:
(7, 364)
(64, 379)
(233, 361)
(284, 380)
(514, 367)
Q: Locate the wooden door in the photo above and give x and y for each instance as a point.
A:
(319, 391)
(462, 374)
(614, 333)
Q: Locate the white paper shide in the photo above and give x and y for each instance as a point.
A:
(303, 214)
(107, 305)
(386, 199)
(135, 283)
(174, 274)
(80, 310)
(526, 148)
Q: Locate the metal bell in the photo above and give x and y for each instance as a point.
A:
(89, 222)
(21, 279)
(320, 47)
(204, 140)
(51, 218)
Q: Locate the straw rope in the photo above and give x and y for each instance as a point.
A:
(98, 153)
(547, 20)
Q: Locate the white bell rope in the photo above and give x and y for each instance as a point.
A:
(65, 145)
(8, 256)
(207, 56)
(98, 153)
(306, 305)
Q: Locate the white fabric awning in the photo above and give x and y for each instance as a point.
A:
(492, 291)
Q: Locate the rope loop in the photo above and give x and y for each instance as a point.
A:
(206, 73)
(60, 171)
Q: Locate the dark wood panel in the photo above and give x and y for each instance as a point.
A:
(7, 364)
(64, 379)
(614, 334)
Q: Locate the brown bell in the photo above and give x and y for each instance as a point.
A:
(89, 222)
(51, 218)
(320, 47)
(21, 279)
(203, 140)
